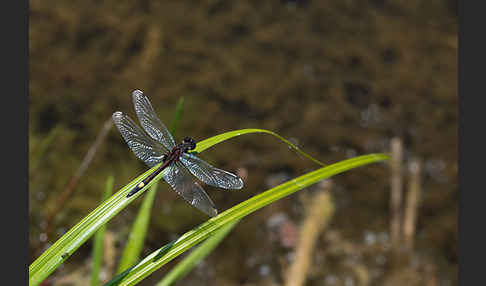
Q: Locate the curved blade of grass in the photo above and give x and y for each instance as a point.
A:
(207, 143)
(136, 239)
(98, 239)
(83, 230)
(66, 245)
(168, 252)
(198, 254)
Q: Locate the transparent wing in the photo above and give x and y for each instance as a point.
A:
(149, 120)
(211, 175)
(144, 147)
(183, 184)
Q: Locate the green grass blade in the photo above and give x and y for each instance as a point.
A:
(177, 116)
(136, 239)
(65, 246)
(205, 144)
(198, 254)
(98, 239)
(168, 252)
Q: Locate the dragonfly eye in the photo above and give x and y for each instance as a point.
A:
(189, 143)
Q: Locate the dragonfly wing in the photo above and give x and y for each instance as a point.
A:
(149, 120)
(211, 175)
(144, 147)
(183, 184)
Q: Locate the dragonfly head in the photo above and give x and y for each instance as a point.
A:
(189, 143)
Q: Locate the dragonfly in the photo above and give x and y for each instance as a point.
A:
(156, 145)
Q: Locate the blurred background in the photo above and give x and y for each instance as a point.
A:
(337, 78)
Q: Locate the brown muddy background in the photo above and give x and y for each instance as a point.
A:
(340, 78)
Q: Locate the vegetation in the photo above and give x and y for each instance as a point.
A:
(74, 238)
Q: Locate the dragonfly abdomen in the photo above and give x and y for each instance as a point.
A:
(151, 176)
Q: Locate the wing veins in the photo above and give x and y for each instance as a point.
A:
(182, 183)
(211, 175)
(144, 147)
(149, 120)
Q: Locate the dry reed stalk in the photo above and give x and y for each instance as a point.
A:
(318, 216)
(396, 191)
(109, 254)
(413, 201)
